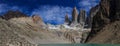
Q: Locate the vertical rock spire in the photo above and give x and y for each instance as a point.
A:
(74, 15)
(67, 19)
(82, 17)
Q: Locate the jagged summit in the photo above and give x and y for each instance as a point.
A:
(78, 20)
(104, 19)
(82, 17)
(74, 15)
(13, 14)
(38, 20)
(67, 21)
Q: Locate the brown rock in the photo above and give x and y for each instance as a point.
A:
(105, 5)
(108, 12)
(99, 17)
(108, 35)
(38, 20)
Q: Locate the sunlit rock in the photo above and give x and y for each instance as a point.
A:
(38, 20)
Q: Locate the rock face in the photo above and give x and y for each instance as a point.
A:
(38, 20)
(103, 14)
(93, 12)
(108, 35)
(78, 20)
(34, 33)
(82, 17)
(74, 15)
(67, 21)
(13, 14)
(99, 16)
(9, 35)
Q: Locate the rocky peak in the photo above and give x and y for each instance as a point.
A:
(38, 20)
(82, 17)
(67, 19)
(99, 17)
(74, 15)
(105, 5)
(103, 14)
(13, 14)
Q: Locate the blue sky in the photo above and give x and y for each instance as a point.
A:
(51, 11)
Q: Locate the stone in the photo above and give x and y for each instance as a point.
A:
(38, 20)
(82, 17)
(99, 17)
(74, 15)
(67, 21)
(107, 12)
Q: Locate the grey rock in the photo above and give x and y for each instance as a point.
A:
(67, 21)
(82, 17)
(74, 15)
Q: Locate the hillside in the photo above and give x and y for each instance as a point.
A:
(31, 31)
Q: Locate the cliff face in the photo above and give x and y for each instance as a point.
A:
(9, 35)
(108, 35)
(99, 16)
(82, 17)
(105, 13)
(78, 20)
(74, 15)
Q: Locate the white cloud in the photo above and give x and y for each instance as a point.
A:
(4, 8)
(53, 14)
(88, 4)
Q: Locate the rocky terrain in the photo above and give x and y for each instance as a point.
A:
(101, 26)
(17, 30)
(9, 36)
(109, 34)
(105, 16)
